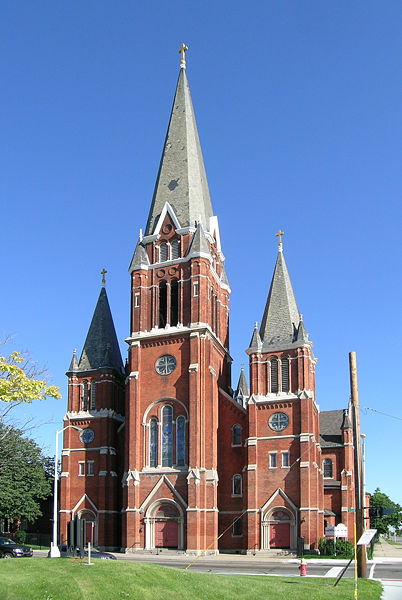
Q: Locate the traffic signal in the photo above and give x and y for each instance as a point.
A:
(379, 511)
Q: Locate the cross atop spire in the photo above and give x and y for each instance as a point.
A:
(103, 273)
(279, 235)
(182, 50)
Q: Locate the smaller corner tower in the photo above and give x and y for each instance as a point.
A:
(284, 475)
(92, 448)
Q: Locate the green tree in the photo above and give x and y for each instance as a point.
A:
(379, 500)
(24, 475)
(19, 383)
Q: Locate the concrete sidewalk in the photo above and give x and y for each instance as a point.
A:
(384, 552)
(383, 549)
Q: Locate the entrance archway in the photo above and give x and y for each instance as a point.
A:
(164, 525)
(278, 529)
(88, 528)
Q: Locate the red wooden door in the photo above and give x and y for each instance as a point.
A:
(279, 535)
(166, 534)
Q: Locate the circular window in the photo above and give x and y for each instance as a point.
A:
(87, 435)
(165, 365)
(278, 421)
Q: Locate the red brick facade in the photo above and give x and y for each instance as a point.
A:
(167, 455)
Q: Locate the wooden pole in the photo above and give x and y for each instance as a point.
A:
(359, 500)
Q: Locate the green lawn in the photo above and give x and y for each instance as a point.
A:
(69, 579)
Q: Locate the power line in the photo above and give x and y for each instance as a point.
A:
(381, 413)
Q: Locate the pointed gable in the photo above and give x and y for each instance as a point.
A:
(181, 180)
(281, 316)
(199, 245)
(101, 348)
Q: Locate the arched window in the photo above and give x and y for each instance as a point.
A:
(285, 375)
(174, 302)
(174, 249)
(167, 436)
(236, 485)
(163, 252)
(236, 435)
(274, 376)
(162, 304)
(181, 441)
(328, 469)
(85, 392)
(153, 443)
(93, 396)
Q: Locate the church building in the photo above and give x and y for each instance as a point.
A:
(163, 453)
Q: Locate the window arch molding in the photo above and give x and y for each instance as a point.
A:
(163, 401)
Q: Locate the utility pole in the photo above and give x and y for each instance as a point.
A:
(359, 491)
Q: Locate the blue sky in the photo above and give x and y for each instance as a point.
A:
(298, 110)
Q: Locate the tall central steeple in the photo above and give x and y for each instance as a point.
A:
(181, 181)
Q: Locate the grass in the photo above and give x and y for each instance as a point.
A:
(69, 579)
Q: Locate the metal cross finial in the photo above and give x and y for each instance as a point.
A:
(182, 50)
(279, 235)
(103, 273)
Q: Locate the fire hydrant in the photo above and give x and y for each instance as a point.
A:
(303, 567)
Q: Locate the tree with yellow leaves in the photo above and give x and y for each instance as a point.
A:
(18, 383)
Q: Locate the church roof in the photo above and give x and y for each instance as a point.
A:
(101, 348)
(181, 179)
(331, 422)
(281, 318)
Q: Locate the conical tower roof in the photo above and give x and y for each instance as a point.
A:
(74, 363)
(181, 181)
(242, 387)
(101, 348)
(281, 318)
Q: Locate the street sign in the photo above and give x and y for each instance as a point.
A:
(367, 537)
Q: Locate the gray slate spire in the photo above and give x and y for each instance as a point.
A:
(101, 348)
(242, 387)
(346, 423)
(74, 363)
(181, 180)
(140, 256)
(255, 343)
(281, 317)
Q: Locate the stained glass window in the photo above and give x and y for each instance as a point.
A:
(153, 443)
(236, 435)
(167, 436)
(181, 442)
(327, 467)
(236, 485)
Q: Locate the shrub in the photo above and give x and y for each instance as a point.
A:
(20, 536)
(344, 548)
